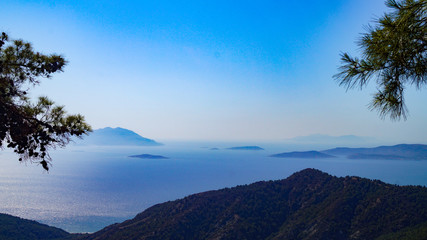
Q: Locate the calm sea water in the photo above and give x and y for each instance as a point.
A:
(90, 188)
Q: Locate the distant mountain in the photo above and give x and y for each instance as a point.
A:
(252, 148)
(307, 205)
(377, 156)
(397, 152)
(15, 228)
(401, 151)
(148, 156)
(307, 154)
(115, 136)
(331, 140)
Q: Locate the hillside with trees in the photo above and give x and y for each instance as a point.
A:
(15, 228)
(309, 204)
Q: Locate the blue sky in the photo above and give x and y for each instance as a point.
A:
(209, 70)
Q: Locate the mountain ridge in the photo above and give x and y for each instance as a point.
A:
(399, 151)
(324, 139)
(395, 152)
(115, 137)
(16, 228)
(309, 204)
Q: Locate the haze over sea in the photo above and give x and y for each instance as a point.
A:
(186, 70)
(89, 188)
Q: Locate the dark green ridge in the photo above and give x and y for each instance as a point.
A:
(309, 204)
(15, 228)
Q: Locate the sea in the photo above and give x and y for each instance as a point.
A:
(89, 188)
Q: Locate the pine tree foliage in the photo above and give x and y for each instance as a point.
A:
(394, 53)
(31, 129)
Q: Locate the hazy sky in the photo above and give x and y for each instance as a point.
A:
(209, 70)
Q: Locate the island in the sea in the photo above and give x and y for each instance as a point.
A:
(378, 156)
(396, 152)
(252, 148)
(307, 154)
(148, 156)
(115, 137)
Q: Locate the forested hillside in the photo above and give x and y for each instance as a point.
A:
(15, 228)
(308, 205)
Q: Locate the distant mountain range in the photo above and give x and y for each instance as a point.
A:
(115, 137)
(307, 205)
(331, 140)
(396, 152)
(400, 151)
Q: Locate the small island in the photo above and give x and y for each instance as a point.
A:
(149, 156)
(307, 154)
(214, 148)
(251, 148)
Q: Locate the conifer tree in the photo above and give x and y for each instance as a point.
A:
(394, 54)
(31, 129)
